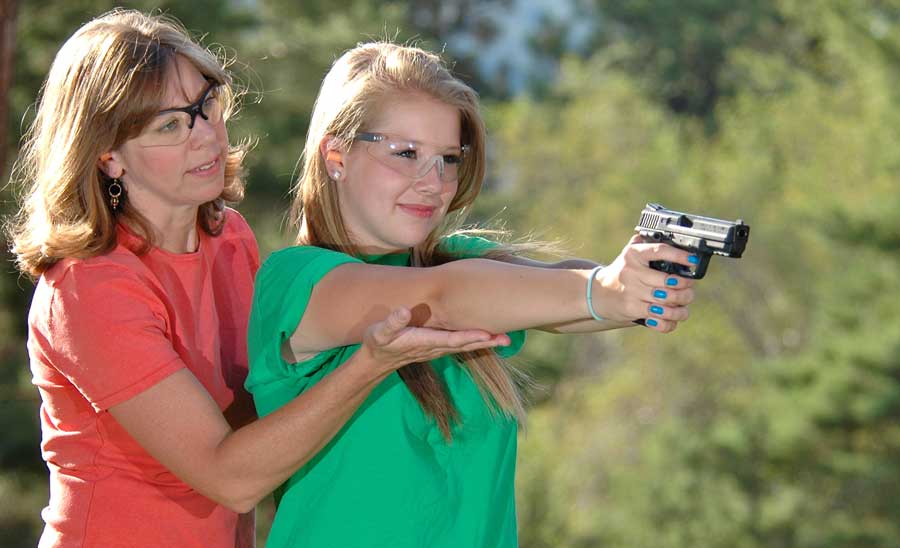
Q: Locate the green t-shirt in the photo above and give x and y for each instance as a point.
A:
(388, 478)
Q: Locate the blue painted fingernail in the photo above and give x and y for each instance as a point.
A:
(672, 281)
(693, 259)
(656, 309)
(652, 323)
(660, 294)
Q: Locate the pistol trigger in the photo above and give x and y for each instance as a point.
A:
(662, 266)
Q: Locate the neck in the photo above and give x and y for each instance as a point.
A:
(176, 230)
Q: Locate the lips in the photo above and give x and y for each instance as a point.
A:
(207, 168)
(417, 210)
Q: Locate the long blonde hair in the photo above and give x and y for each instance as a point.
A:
(359, 82)
(106, 83)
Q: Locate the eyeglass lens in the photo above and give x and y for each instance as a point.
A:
(173, 126)
(409, 159)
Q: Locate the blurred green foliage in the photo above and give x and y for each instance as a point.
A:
(768, 420)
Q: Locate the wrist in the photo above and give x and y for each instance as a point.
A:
(590, 293)
(366, 365)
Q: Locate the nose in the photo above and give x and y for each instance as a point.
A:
(430, 181)
(203, 132)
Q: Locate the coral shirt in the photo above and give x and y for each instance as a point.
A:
(104, 329)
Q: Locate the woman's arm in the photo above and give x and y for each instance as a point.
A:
(490, 295)
(180, 425)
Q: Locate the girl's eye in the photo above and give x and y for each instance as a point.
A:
(408, 154)
(454, 159)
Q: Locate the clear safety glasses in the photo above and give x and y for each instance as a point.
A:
(409, 158)
(173, 126)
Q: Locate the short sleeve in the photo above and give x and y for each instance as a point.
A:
(107, 333)
(284, 285)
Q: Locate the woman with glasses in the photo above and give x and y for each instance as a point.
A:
(395, 144)
(137, 328)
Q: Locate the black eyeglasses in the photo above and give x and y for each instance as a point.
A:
(173, 126)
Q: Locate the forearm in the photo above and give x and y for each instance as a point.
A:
(578, 326)
(501, 297)
(584, 326)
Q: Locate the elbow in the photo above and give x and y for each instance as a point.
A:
(436, 309)
(242, 506)
(236, 498)
(454, 291)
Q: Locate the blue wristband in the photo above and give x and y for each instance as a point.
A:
(590, 287)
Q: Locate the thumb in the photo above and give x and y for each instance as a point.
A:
(387, 330)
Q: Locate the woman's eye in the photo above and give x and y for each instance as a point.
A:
(454, 159)
(168, 126)
(408, 154)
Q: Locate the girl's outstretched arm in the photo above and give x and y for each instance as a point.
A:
(492, 295)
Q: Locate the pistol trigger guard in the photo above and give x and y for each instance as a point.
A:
(663, 266)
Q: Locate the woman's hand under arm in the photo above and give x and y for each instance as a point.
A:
(179, 424)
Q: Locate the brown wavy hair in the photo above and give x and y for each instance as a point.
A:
(359, 82)
(106, 83)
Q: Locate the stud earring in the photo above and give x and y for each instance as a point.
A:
(337, 174)
(115, 191)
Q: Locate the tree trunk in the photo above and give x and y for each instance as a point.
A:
(7, 51)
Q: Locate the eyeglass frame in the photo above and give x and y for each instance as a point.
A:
(376, 137)
(191, 110)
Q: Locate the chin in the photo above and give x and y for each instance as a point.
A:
(212, 193)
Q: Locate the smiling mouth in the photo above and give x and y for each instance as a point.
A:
(418, 211)
(206, 168)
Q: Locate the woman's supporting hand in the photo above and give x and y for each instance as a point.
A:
(628, 289)
(393, 343)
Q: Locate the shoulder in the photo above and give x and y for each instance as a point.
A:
(119, 264)
(294, 271)
(237, 228)
(97, 287)
(235, 223)
(303, 256)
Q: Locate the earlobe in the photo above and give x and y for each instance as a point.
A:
(108, 164)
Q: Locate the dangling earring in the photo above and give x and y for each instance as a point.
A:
(115, 191)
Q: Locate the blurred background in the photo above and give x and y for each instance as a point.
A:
(768, 420)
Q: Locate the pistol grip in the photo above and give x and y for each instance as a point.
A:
(680, 270)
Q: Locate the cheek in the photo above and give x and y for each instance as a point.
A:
(222, 135)
(157, 159)
(450, 190)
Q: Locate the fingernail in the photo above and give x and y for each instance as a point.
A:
(672, 281)
(660, 294)
(693, 259)
(656, 309)
(652, 323)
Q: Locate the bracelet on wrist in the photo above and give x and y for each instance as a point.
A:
(590, 288)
